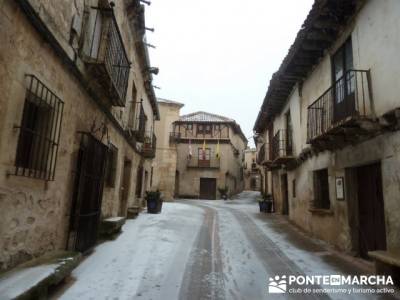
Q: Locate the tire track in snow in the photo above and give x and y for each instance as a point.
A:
(274, 260)
(203, 278)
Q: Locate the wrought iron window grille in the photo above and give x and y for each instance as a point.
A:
(40, 132)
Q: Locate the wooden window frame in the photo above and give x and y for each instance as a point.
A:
(321, 189)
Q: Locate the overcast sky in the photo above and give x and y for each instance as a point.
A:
(219, 55)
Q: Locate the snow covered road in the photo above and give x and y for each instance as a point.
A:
(200, 249)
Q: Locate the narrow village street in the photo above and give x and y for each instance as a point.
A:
(199, 249)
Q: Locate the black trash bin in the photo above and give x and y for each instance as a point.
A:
(154, 202)
(269, 202)
(263, 206)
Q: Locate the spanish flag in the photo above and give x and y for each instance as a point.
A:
(218, 154)
(204, 150)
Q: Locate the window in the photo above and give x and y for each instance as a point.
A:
(39, 132)
(204, 155)
(321, 189)
(204, 129)
(208, 129)
(294, 188)
(344, 80)
(289, 134)
(189, 127)
(112, 160)
(132, 110)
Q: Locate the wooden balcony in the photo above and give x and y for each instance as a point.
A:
(343, 113)
(196, 162)
(106, 59)
(282, 149)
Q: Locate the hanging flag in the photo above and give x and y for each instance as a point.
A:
(190, 149)
(218, 154)
(204, 150)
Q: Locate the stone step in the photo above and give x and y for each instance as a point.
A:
(111, 226)
(32, 279)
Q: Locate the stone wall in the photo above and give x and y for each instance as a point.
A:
(35, 214)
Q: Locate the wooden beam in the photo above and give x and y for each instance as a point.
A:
(326, 23)
(320, 35)
(314, 46)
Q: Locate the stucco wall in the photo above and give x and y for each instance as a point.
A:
(374, 35)
(166, 156)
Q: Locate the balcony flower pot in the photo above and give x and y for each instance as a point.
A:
(154, 202)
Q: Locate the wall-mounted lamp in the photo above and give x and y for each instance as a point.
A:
(156, 87)
(145, 2)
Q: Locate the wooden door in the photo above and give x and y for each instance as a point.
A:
(285, 194)
(88, 193)
(372, 233)
(344, 82)
(124, 190)
(208, 188)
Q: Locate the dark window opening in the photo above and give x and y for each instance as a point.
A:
(112, 160)
(321, 189)
(139, 181)
(289, 134)
(39, 132)
(204, 129)
(294, 188)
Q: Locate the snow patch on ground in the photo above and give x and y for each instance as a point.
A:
(136, 265)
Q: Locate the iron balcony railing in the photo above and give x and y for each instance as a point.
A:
(349, 97)
(282, 145)
(107, 55)
(137, 122)
(149, 145)
(196, 162)
(261, 154)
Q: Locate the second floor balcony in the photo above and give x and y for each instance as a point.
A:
(106, 56)
(282, 148)
(199, 163)
(335, 116)
(149, 145)
(264, 155)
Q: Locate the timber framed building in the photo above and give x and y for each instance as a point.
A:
(210, 155)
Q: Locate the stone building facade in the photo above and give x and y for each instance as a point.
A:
(252, 175)
(76, 121)
(328, 135)
(210, 151)
(166, 153)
